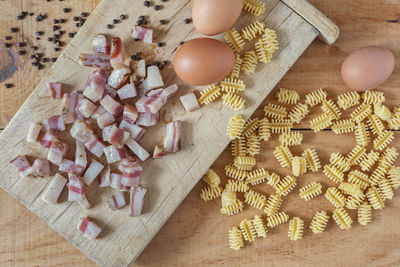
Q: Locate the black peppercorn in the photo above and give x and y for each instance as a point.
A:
(62, 20)
(20, 44)
(157, 7)
(23, 13)
(56, 36)
(20, 17)
(159, 44)
(49, 39)
(59, 43)
(44, 60)
(144, 22)
(141, 18)
(109, 26)
(146, 3)
(35, 63)
(21, 52)
(75, 18)
(181, 43)
(70, 35)
(133, 57)
(115, 21)
(77, 25)
(8, 85)
(7, 38)
(53, 59)
(187, 21)
(31, 14)
(139, 22)
(66, 10)
(136, 39)
(55, 28)
(56, 49)
(84, 14)
(55, 21)
(158, 64)
(7, 45)
(122, 17)
(81, 20)
(13, 29)
(61, 32)
(38, 66)
(163, 22)
(163, 1)
(38, 33)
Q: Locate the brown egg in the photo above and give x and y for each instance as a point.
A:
(212, 17)
(203, 61)
(367, 67)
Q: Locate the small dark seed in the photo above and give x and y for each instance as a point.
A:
(139, 22)
(159, 44)
(144, 22)
(122, 17)
(53, 59)
(7, 45)
(38, 66)
(70, 35)
(8, 85)
(37, 38)
(38, 33)
(20, 44)
(84, 14)
(77, 25)
(20, 17)
(56, 36)
(187, 21)
(133, 57)
(56, 49)
(21, 52)
(7, 38)
(13, 29)
(157, 7)
(62, 20)
(146, 3)
(31, 14)
(181, 43)
(61, 32)
(23, 13)
(55, 21)
(59, 43)
(35, 63)
(158, 64)
(163, 1)
(109, 26)
(66, 10)
(55, 28)
(49, 39)
(81, 20)
(163, 22)
(141, 18)
(115, 21)
(75, 18)
(44, 59)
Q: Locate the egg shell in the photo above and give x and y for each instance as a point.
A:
(203, 61)
(212, 17)
(367, 67)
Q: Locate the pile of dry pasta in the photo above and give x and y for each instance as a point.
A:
(365, 178)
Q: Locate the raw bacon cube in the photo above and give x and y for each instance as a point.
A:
(86, 108)
(189, 102)
(173, 136)
(100, 61)
(127, 91)
(22, 164)
(154, 78)
(76, 189)
(147, 119)
(101, 43)
(112, 154)
(158, 152)
(67, 166)
(136, 132)
(116, 137)
(94, 87)
(108, 90)
(95, 146)
(136, 196)
(56, 90)
(137, 149)
(33, 132)
(41, 168)
(119, 76)
(130, 114)
(54, 189)
(105, 177)
(70, 102)
(117, 200)
(85, 203)
(58, 151)
(131, 173)
(47, 137)
(54, 123)
(80, 154)
(105, 119)
(142, 33)
(111, 105)
(81, 131)
(92, 172)
(88, 228)
(118, 52)
(149, 104)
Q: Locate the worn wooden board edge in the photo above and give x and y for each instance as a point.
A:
(185, 187)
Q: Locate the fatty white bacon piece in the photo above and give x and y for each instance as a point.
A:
(127, 91)
(108, 90)
(55, 122)
(81, 131)
(142, 33)
(158, 152)
(47, 137)
(154, 78)
(111, 105)
(85, 203)
(173, 136)
(116, 182)
(119, 76)
(70, 102)
(101, 43)
(164, 94)
(137, 197)
(69, 166)
(131, 173)
(130, 114)
(137, 149)
(33, 132)
(54, 189)
(106, 132)
(92, 172)
(98, 112)
(118, 52)
(88, 228)
(76, 189)
(22, 164)
(124, 153)
(100, 61)
(147, 119)
(57, 152)
(80, 155)
(56, 89)
(40, 168)
(149, 104)
(117, 137)
(105, 119)
(95, 145)
(105, 177)
(136, 132)
(117, 200)
(86, 108)
(94, 88)
(112, 154)
(189, 102)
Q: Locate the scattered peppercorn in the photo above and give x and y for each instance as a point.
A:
(21, 52)
(31, 14)
(35, 63)
(157, 7)
(55, 28)
(56, 49)
(37, 38)
(38, 33)
(19, 17)
(146, 3)
(75, 18)
(144, 22)
(49, 39)
(59, 43)
(115, 21)
(66, 10)
(78, 25)
(7, 45)
(13, 29)
(7, 38)
(44, 59)
(122, 17)
(53, 59)
(163, 22)
(84, 14)
(139, 22)
(23, 13)
(20, 44)
(187, 21)
(56, 36)
(62, 20)
(163, 1)
(55, 21)
(158, 64)
(8, 85)
(61, 32)
(70, 35)
(141, 18)
(136, 39)
(181, 43)
(159, 44)
(133, 57)
(109, 26)
(38, 66)
(81, 20)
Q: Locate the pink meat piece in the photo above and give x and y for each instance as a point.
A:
(88, 228)
(136, 132)
(54, 189)
(106, 132)
(158, 152)
(70, 102)
(130, 114)
(172, 136)
(58, 151)
(108, 90)
(105, 119)
(92, 172)
(116, 137)
(104, 178)
(164, 94)
(117, 200)
(95, 145)
(147, 119)
(142, 33)
(67, 166)
(95, 85)
(149, 104)
(54, 122)
(101, 43)
(100, 61)
(98, 112)
(136, 196)
(76, 189)
(112, 154)
(127, 91)
(124, 152)
(136, 148)
(47, 137)
(22, 164)
(111, 105)
(80, 155)
(118, 52)
(81, 131)
(189, 102)
(131, 173)
(41, 168)
(86, 108)
(56, 89)
(119, 76)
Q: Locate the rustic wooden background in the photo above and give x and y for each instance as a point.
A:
(196, 234)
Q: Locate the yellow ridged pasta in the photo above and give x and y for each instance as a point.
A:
(283, 155)
(255, 7)
(255, 199)
(375, 198)
(312, 159)
(335, 197)
(249, 63)
(348, 100)
(235, 173)
(350, 189)
(364, 213)
(266, 46)
(277, 219)
(244, 163)
(368, 160)
(333, 173)
(377, 175)
(210, 193)
(280, 126)
(234, 40)
(383, 140)
(259, 226)
(211, 178)
(237, 67)
(299, 166)
(310, 191)
(233, 101)
(375, 124)
(250, 127)
(340, 162)
(232, 209)
(342, 218)
(291, 138)
(298, 113)
(235, 127)
(343, 126)
(286, 185)
(362, 135)
(330, 108)
(394, 177)
(209, 94)
(232, 85)
(361, 113)
(263, 130)
(272, 205)
(394, 122)
(251, 31)
(382, 112)
(275, 112)
(287, 96)
(353, 202)
(273, 179)
(296, 226)
(316, 97)
(319, 222)
(248, 231)
(253, 145)
(257, 176)
(239, 146)
(356, 154)
(360, 178)
(388, 157)
(237, 186)
(228, 198)
(373, 97)
(386, 189)
(321, 122)
(235, 239)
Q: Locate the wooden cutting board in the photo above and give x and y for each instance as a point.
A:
(168, 179)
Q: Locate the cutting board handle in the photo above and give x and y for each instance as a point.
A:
(329, 31)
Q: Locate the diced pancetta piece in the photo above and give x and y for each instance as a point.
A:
(136, 196)
(76, 189)
(172, 136)
(86, 108)
(130, 114)
(56, 89)
(154, 78)
(136, 148)
(80, 154)
(138, 68)
(98, 112)
(131, 173)
(118, 52)
(111, 105)
(92, 172)
(85, 203)
(119, 76)
(124, 152)
(142, 33)
(101, 43)
(78, 170)
(67, 166)
(94, 88)
(117, 200)
(127, 91)
(158, 152)
(47, 137)
(149, 104)
(116, 137)
(22, 164)
(144, 87)
(108, 90)
(88, 228)
(164, 94)
(105, 177)
(70, 102)
(136, 132)
(116, 181)
(54, 122)
(112, 154)
(189, 102)
(95, 145)
(147, 119)
(54, 189)
(100, 61)
(58, 151)
(105, 119)
(33, 132)
(106, 132)
(81, 131)
(141, 68)
(41, 168)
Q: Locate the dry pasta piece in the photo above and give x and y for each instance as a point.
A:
(321, 122)
(394, 122)
(210, 193)
(362, 135)
(373, 97)
(248, 231)
(235, 173)
(329, 107)
(350, 189)
(386, 189)
(263, 130)
(353, 202)
(253, 145)
(237, 186)
(312, 159)
(251, 31)
(299, 166)
(358, 177)
(237, 67)
(394, 177)
(377, 175)
(364, 213)
(382, 112)
(277, 219)
(211, 178)
(340, 162)
(233, 101)
(263, 54)
(343, 126)
(342, 218)
(232, 85)
(250, 127)
(283, 155)
(298, 113)
(249, 62)
(235, 239)
(239, 146)
(255, 199)
(316, 97)
(235, 127)
(356, 154)
(383, 140)
(388, 158)
(296, 226)
(333, 173)
(259, 226)
(244, 163)
(275, 112)
(209, 94)
(287, 96)
(319, 222)
(335, 197)
(375, 124)
(257, 176)
(234, 40)
(266, 46)
(233, 208)
(272, 205)
(228, 198)
(286, 185)
(280, 126)
(348, 100)
(255, 7)
(375, 198)
(368, 160)
(291, 138)
(310, 191)
(361, 113)
(273, 179)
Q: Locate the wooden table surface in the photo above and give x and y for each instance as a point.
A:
(196, 234)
